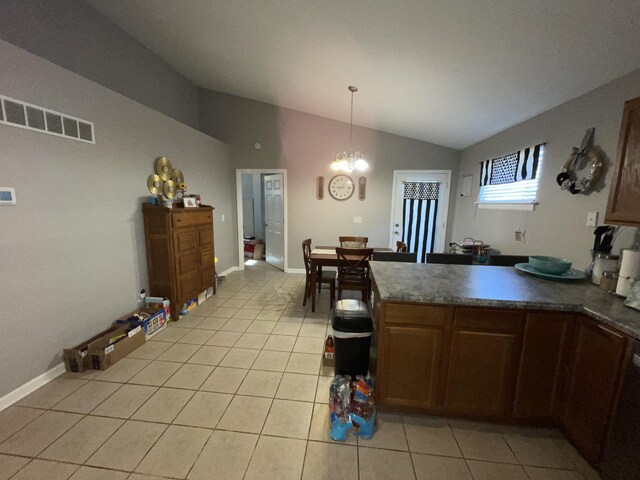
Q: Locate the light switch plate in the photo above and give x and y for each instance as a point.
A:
(592, 219)
(7, 196)
(357, 219)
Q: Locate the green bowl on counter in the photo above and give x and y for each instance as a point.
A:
(550, 265)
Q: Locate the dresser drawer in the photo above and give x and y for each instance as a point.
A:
(406, 314)
(189, 217)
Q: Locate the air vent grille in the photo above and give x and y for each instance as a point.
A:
(17, 113)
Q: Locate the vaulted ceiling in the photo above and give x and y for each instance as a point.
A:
(451, 72)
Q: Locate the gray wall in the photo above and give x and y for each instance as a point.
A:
(558, 225)
(305, 145)
(73, 253)
(71, 34)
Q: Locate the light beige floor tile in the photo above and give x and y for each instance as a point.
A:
(280, 343)
(139, 476)
(288, 419)
(384, 464)
(209, 355)
(307, 330)
(84, 438)
(326, 371)
(246, 314)
(479, 444)
(156, 373)
(123, 370)
(271, 361)
(170, 335)
(245, 414)
(242, 295)
(277, 459)
(39, 434)
(252, 340)
(197, 336)
(90, 473)
(164, 405)
(14, 418)
(304, 363)
(259, 326)
(283, 328)
(223, 312)
(291, 319)
(9, 465)
(538, 473)
(431, 467)
(430, 435)
(124, 402)
(309, 345)
(325, 461)
(211, 323)
(269, 315)
(87, 397)
(389, 434)
(189, 376)
(51, 393)
(204, 410)
(236, 325)
(239, 358)
(495, 471)
(262, 296)
(227, 454)
(538, 452)
(260, 384)
(150, 350)
(234, 303)
(45, 470)
(193, 320)
(297, 386)
(578, 462)
(320, 430)
(175, 452)
(86, 375)
(322, 391)
(224, 339)
(257, 304)
(179, 352)
(224, 380)
(277, 307)
(129, 445)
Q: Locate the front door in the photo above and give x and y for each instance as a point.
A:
(420, 201)
(274, 219)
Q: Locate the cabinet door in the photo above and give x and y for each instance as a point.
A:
(206, 256)
(540, 373)
(623, 207)
(596, 365)
(480, 372)
(411, 366)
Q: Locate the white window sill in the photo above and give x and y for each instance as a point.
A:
(529, 207)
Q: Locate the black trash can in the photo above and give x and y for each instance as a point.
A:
(352, 329)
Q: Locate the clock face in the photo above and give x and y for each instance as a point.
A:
(341, 187)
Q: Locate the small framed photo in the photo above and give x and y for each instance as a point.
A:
(190, 202)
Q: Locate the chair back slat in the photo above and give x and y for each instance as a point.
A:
(306, 252)
(401, 247)
(353, 262)
(353, 242)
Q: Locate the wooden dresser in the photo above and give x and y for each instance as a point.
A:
(180, 252)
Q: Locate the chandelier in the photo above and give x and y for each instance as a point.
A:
(350, 161)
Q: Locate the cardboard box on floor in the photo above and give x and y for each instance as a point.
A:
(105, 353)
(76, 359)
(153, 324)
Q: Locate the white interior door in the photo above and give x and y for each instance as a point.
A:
(274, 219)
(419, 210)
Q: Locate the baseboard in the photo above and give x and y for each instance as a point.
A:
(228, 271)
(31, 386)
(295, 270)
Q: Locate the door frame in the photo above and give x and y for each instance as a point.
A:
(239, 211)
(445, 210)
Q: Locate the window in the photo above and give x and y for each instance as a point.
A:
(507, 184)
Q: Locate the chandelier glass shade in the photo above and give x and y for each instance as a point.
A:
(350, 161)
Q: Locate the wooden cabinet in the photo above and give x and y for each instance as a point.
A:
(595, 371)
(545, 348)
(481, 361)
(623, 207)
(180, 252)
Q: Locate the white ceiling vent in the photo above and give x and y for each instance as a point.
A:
(17, 113)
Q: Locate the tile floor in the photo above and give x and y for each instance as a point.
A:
(236, 390)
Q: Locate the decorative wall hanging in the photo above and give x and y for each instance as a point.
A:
(341, 187)
(567, 178)
(320, 188)
(167, 183)
(362, 188)
(514, 167)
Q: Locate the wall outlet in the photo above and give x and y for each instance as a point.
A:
(519, 236)
(357, 219)
(222, 217)
(592, 219)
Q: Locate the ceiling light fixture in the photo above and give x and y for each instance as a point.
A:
(348, 162)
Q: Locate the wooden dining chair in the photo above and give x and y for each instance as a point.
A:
(353, 270)
(401, 247)
(449, 258)
(506, 260)
(328, 277)
(353, 242)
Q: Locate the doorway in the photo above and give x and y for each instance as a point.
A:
(261, 216)
(419, 208)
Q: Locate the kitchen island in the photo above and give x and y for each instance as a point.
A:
(492, 343)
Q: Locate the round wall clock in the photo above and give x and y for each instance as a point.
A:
(341, 187)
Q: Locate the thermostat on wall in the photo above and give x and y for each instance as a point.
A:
(7, 196)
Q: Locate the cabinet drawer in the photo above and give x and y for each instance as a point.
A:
(188, 218)
(428, 315)
(486, 319)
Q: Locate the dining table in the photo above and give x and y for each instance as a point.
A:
(322, 256)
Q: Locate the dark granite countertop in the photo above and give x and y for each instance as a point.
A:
(503, 287)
